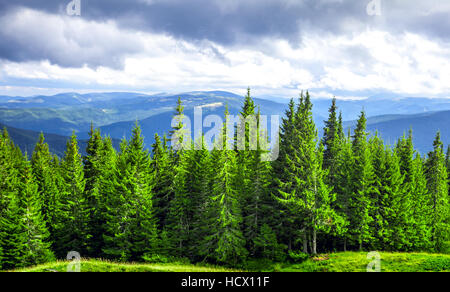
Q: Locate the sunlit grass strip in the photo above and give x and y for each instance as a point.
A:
(335, 262)
(357, 262)
(96, 265)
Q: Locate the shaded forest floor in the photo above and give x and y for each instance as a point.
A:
(336, 262)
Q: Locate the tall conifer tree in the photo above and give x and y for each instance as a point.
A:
(363, 179)
(225, 242)
(71, 230)
(438, 189)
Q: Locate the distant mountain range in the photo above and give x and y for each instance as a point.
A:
(64, 113)
(116, 113)
(378, 105)
(424, 126)
(27, 139)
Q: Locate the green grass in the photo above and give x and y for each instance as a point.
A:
(357, 262)
(94, 265)
(337, 262)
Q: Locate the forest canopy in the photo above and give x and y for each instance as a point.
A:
(344, 191)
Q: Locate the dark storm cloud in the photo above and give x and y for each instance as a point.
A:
(222, 21)
(231, 22)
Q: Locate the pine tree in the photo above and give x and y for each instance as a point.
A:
(311, 197)
(179, 134)
(12, 236)
(414, 194)
(225, 243)
(363, 179)
(447, 162)
(438, 189)
(286, 221)
(268, 244)
(130, 228)
(340, 129)
(255, 196)
(23, 233)
(72, 215)
(9, 171)
(179, 221)
(331, 142)
(344, 189)
(389, 205)
(161, 166)
(46, 175)
(37, 249)
(98, 168)
(199, 186)
(422, 208)
(179, 208)
(245, 145)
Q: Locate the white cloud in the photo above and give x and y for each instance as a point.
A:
(369, 60)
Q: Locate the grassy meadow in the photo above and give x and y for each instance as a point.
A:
(335, 262)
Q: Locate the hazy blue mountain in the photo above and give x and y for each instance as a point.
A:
(377, 105)
(27, 139)
(64, 113)
(116, 112)
(424, 126)
(161, 123)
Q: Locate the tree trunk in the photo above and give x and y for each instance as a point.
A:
(310, 242)
(305, 243)
(314, 246)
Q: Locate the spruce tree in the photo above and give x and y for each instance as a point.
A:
(422, 208)
(447, 162)
(130, 228)
(179, 221)
(331, 142)
(225, 242)
(286, 221)
(98, 167)
(71, 231)
(12, 228)
(23, 232)
(9, 171)
(161, 166)
(256, 205)
(438, 189)
(13, 241)
(179, 134)
(389, 207)
(344, 189)
(363, 179)
(311, 197)
(268, 244)
(199, 186)
(414, 194)
(46, 178)
(37, 249)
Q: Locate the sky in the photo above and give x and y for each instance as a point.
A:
(345, 48)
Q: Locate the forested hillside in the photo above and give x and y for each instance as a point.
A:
(391, 127)
(26, 141)
(339, 193)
